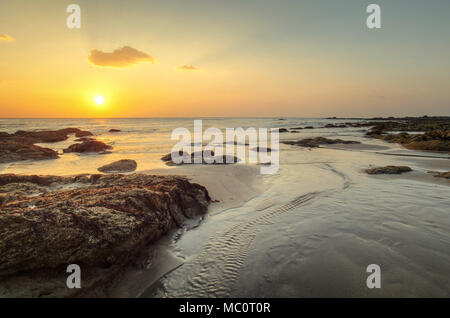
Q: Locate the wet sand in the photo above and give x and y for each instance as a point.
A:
(310, 230)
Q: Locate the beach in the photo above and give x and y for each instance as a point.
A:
(309, 230)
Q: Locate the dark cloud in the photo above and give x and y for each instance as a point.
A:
(187, 68)
(123, 57)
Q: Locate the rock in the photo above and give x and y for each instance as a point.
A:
(309, 127)
(445, 175)
(436, 136)
(83, 133)
(124, 165)
(34, 179)
(216, 159)
(168, 157)
(388, 170)
(283, 130)
(11, 151)
(317, 141)
(88, 146)
(114, 130)
(84, 139)
(107, 220)
(48, 136)
(297, 128)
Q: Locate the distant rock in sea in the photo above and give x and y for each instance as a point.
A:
(388, 170)
(83, 133)
(208, 157)
(435, 136)
(20, 145)
(317, 141)
(11, 151)
(48, 136)
(88, 146)
(124, 165)
(445, 175)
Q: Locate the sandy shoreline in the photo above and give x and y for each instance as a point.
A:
(273, 226)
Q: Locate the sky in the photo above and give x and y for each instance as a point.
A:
(234, 58)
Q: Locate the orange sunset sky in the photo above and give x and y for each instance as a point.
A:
(196, 58)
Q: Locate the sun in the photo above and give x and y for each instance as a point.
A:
(99, 100)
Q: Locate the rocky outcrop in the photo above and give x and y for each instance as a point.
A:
(208, 157)
(20, 145)
(283, 130)
(432, 140)
(84, 139)
(124, 165)
(114, 130)
(95, 221)
(11, 151)
(436, 136)
(47, 136)
(317, 141)
(445, 175)
(388, 170)
(88, 146)
(82, 133)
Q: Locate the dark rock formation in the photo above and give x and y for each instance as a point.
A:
(317, 141)
(47, 136)
(11, 151)
(436, 136)
(124, 165)
(20, 145)
(88, 146)
(114, 130)
(445, 175)
(83, 133)
(210, 157)
(283, 130)
(107, 220)
(388, 170)
(84, 139)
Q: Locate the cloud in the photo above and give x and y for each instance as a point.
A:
(187, 68)
(4, 37)
(123, 57)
